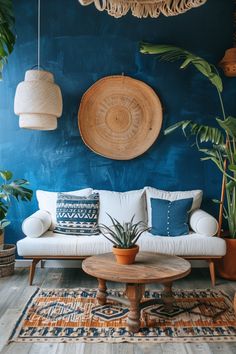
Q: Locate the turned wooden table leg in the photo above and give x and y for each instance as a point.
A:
(102, 292)
(167, 296)
(134, 292)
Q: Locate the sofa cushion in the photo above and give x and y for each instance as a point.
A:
(36, 224)
(171, 196)
(122, 206)
(47, 201)
(77, 215)
(203, 223)
(52, 244)
(170, 218)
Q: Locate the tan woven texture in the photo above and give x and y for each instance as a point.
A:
(120, 117)
(144, 8)
(38, 101)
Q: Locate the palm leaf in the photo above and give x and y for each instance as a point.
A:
(204, 133)
(173, 53)
(229, 125)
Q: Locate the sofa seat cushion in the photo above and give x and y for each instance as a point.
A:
(52, 244)
(188, 245)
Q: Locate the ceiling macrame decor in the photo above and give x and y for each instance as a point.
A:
(144, 8)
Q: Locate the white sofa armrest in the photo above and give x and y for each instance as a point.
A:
(37, 224)
(203, 223)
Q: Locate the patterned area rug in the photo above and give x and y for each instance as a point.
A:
(73, 315)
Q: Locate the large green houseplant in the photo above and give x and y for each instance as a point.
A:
(217, 143)
(7, 36)
(9, 190)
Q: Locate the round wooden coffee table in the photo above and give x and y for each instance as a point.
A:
(148, 268)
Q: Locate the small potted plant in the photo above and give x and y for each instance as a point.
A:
(124, 238)
(9, 190)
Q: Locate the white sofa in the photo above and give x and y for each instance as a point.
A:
(42, 243)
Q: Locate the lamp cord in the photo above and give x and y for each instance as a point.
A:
(39, 29)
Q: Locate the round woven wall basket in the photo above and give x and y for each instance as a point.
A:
(119, 117)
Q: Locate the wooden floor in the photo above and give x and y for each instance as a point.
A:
(14, 293)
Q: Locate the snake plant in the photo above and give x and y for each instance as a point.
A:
(123, 236)
(217, 143)
(11, 190)
(7, 36)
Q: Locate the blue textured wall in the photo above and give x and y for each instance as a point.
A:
(80, 45)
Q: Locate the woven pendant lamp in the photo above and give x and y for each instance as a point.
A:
(38, 100)
(228, 63)
(144, 8)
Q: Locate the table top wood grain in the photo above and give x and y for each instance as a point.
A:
(148, 268)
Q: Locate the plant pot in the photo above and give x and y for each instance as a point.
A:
(125, 255)
(228, 63)
(226, 266)
(7, 260)
(1, 239)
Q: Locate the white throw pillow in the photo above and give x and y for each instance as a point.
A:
(172, 196)
(203, 223)
(48, 200)
(37, 224)
(122, 206)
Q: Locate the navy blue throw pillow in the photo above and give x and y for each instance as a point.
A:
(170, 218)
(77, 215)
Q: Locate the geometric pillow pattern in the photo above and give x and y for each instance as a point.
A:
(77, 215)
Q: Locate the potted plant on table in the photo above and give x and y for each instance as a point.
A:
(9, 190)
(124, 238)
(217, 143)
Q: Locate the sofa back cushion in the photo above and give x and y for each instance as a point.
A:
(77, 215)
(171, 196)
(122, 206)
(47, 201)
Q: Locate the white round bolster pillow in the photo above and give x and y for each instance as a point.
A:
(203, 223)
(36, 224)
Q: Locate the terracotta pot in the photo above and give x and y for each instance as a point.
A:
(228, 63)
(125, 255)
(227, 265)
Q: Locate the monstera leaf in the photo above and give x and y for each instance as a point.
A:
(15, 189)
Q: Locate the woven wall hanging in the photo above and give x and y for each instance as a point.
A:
(144, 8)
(119, 117)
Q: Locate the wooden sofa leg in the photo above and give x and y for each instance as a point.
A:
(32, 270)
(212, 272)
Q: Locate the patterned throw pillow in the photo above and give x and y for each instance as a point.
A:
(170, 218)
(77, 215)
